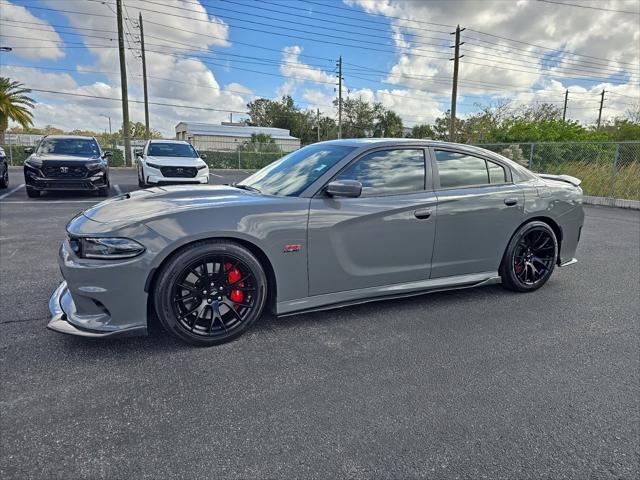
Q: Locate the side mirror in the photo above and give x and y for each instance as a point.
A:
(29, 150)
(344, 188)
(203, 156)
(137, 152)
(107, 153)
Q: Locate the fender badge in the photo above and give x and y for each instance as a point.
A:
(292, 248)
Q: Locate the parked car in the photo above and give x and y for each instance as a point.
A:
(331, 224)
(67, 162)
(4, 169)
(166, 162)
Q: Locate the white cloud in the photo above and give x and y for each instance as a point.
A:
(36, 44)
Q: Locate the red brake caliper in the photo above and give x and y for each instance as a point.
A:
(233, 275)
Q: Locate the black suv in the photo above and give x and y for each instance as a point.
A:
(62, 162)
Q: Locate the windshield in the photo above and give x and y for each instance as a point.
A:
(171, 150)
(293, 173)
(86, 147)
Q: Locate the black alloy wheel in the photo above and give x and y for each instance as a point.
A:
(530, 257)
(210, 293)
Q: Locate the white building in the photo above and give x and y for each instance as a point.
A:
(210, 137)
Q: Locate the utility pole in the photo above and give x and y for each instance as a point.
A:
(231, 117)
(318, 122)
(600, 110)
(123, 86)
(144, 78)
(564, 110)
(340, 97)
(454, 88)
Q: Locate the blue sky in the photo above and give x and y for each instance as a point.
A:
(208, 54)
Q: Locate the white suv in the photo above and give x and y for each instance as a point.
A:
(163, 162)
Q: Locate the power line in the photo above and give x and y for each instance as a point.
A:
(589, 7)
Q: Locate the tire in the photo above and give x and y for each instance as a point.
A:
(200, 306)
(104, 191)
(530, 257)
(33, 193)
(141, 182)
(4, 181)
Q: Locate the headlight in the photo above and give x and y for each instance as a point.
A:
(33, 162)
(202, 167)
(153, 165)
(91, 166)
(105, 248)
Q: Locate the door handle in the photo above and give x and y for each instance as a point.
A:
(510, 202)
(423, 213)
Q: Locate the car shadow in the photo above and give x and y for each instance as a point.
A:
(160, 342)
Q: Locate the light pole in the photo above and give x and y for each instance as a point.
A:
(110, 134)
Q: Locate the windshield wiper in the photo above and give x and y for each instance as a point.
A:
(245, 187)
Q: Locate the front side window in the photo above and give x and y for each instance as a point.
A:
(295, 172)
(462, 170)
(157, 149)
(388, 172)
(86, 147)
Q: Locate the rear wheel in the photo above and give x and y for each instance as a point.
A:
(530, 257)
(210, 293)
(32, 192)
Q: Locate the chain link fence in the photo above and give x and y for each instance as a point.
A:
(607, 169)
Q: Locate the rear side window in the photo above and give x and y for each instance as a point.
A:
(388, 172)
(463, 170)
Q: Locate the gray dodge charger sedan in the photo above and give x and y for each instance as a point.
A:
(332, 224)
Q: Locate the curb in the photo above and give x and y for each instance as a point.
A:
(611, 202)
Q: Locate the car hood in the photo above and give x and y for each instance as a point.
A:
(142, 205)
(175, 161)
(52, 157)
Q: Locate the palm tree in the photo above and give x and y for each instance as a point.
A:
(14, 105)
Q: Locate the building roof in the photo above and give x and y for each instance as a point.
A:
(195, 128)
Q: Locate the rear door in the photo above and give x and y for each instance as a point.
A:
(383, 237)
(479, 209)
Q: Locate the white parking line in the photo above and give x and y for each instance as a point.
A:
(13, 190)
(117, 189)
(214, 175)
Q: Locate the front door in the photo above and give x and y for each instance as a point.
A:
(383, 237)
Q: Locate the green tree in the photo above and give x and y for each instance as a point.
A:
(388, 124)
(137, 130)
(259, 142)
(422, 131)
(15, 104)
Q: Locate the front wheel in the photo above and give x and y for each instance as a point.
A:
(530, 257)
(4, 180)
(210, 292)
(32, 192)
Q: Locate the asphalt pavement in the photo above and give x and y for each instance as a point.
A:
(479, 383)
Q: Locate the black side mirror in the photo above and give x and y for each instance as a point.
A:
(203, 156)
(137, 152)
(344, 188)
(107, 153)
(29, 150)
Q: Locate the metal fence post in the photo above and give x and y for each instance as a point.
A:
(614, 168)
(531, 156)
(10, 151)
(238, 159)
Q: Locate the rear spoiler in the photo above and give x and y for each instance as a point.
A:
(562, 178)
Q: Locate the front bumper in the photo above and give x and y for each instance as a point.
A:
(155, 177)
(60, 321)
(90, 183)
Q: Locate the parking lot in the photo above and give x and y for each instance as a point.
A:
(479, 383)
